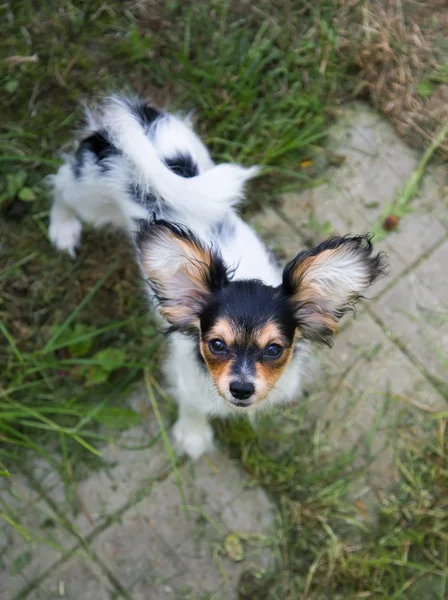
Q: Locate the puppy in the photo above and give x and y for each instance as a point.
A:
(240, 329)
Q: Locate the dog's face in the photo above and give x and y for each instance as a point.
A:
(247, 331)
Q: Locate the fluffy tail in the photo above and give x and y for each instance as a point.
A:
(207, 195)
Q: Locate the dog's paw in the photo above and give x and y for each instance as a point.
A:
(65, 234)
(192, 438)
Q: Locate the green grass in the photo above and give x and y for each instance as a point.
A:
(75, 335)
(326, 547)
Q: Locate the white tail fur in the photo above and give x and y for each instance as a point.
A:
(205, 196)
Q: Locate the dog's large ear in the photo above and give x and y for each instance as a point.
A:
(182, 271)
(326, 282)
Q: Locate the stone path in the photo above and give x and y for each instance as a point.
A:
(130, 531)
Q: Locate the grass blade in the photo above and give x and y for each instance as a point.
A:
(168, 447)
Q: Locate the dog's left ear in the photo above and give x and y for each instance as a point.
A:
(182, 271)
(326, 282)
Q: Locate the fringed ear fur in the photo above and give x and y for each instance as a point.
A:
(181, 269)
(326, 282)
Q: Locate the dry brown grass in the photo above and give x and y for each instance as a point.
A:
(401, 49)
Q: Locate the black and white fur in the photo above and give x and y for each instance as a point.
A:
(140, 169)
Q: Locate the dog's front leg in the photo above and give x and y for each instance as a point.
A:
(65, 227)
(189, 386)
(193, 434)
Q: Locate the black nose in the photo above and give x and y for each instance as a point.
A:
(241, 390)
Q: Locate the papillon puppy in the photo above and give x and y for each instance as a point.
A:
(241, 329)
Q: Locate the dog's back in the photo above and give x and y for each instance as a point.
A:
(134, 162)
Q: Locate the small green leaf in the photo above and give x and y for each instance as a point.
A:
(11, 86)
(425, 89)
(110, 359)
(15, 181)
(97, 375)
(27, 195)
(69, 338)
(81, 347)
(234, 547)
(116, 417)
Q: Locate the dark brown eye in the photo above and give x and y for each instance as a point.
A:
(217, 346)
(273, 351)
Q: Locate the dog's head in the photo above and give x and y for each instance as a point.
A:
(246, 330)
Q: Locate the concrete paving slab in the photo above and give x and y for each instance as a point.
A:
(283, 241)
(77, 579)
(355, 194)
(377, 164)
(165, 544)
(222, 485)
(43, 541)
(130, 463)
(416, 317)
(434, 273)
(371, 392)
(417, 233)
(433, 194)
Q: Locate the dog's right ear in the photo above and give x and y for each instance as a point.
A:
(182, 271)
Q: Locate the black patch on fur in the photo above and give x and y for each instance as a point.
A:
(223, 230)
(244, 363)
(98, 145)
(138, 224)
(183, 165)
(361, 245)
(146, 199)
(145, 113)
(154, 205)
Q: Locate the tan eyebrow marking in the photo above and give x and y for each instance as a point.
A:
(270, 333)
(223, 330)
